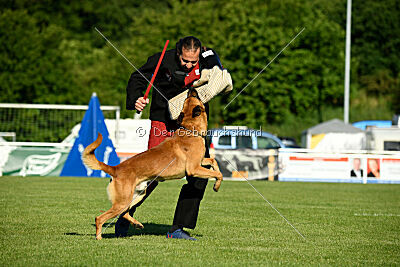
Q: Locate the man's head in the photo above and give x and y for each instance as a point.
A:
(373, 164)
(188, 51)
(356, 164)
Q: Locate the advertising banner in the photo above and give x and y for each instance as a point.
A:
(36, 161)
(249, 164)
(335, 167)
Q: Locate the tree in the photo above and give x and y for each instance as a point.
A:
(31, 67)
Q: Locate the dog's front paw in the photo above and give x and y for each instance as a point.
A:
(216, 186)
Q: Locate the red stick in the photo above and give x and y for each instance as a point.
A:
(155, 72)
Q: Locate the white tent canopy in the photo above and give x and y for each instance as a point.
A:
(334, 135)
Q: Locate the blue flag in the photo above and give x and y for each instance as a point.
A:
(92, 124)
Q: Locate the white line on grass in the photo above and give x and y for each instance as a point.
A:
(266, 200)
(376, 214)
(104, 228)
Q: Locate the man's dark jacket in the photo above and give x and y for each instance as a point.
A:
(169, 81)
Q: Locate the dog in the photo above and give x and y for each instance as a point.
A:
(179, 155)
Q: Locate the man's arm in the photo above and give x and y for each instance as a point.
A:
(137, 83)
(209, 58)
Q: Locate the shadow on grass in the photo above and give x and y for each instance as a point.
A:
(149, 229)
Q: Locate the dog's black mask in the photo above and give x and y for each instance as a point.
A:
(180, 118)
(196, 111)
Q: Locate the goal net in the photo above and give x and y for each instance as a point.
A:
(42, 122)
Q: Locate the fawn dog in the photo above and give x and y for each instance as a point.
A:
(177, 156)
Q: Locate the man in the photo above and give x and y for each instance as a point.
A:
(179, 69)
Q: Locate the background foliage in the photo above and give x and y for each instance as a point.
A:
(50, 53)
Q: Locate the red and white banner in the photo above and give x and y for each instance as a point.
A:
(337, 167)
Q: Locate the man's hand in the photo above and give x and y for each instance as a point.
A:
(141, 103)
(205, 76)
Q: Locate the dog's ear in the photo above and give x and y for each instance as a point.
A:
(196, 111)
(180, 118)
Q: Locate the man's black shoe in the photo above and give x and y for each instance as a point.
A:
(121, 227)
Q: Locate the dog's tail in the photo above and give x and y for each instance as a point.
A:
(90, 160)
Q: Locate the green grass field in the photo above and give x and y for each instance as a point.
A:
(50, 221)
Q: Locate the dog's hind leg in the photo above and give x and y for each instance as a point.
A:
(114, 211)
(134, 222)
(138, 195)
(121, 194)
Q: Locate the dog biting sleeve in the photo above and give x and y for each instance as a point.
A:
(211, 83)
